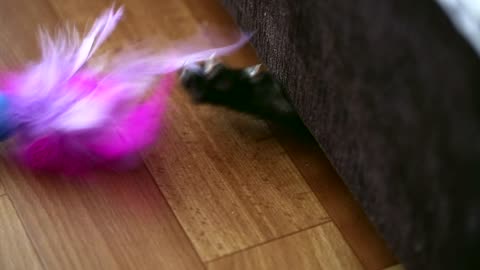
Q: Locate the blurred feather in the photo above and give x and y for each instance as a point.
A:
(69, 117)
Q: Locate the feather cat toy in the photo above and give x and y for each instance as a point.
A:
(61, 115)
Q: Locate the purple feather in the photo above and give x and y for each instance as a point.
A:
(70, 118)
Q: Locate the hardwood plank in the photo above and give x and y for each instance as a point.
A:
(108, 221)
(308, 157)
(19, 22)
(16, 251)
(228, 181)
(2, 188)
(231, 188)
(321, 247)
(340, 204)
(233, 215)
(226, 178)
(396, 267)
(158, 22)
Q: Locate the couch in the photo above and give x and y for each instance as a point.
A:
(391, 91)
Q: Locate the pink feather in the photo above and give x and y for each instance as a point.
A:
(69, 118)
(123, 140)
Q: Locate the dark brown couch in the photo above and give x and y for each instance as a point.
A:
(390, 90)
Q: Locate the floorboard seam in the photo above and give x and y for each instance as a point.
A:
(323, 222)
(24, 227)
(152, 178)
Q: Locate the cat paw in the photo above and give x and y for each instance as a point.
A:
(192, 78)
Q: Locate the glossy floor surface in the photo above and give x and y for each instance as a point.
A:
(219, 191)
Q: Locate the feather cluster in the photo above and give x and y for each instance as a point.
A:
(65, 116)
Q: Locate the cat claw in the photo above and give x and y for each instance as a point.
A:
(211, 63)
(190, 69)
(253, 70)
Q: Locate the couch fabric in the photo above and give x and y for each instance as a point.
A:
(390, 90)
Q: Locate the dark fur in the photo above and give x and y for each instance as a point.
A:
(236, 89)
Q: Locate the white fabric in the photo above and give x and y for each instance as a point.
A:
(465, 15)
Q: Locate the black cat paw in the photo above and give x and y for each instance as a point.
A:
(192, 78)
(248, 90)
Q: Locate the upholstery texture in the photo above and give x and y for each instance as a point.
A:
(390, 90)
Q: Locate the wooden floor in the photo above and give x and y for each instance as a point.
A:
(220, 191)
